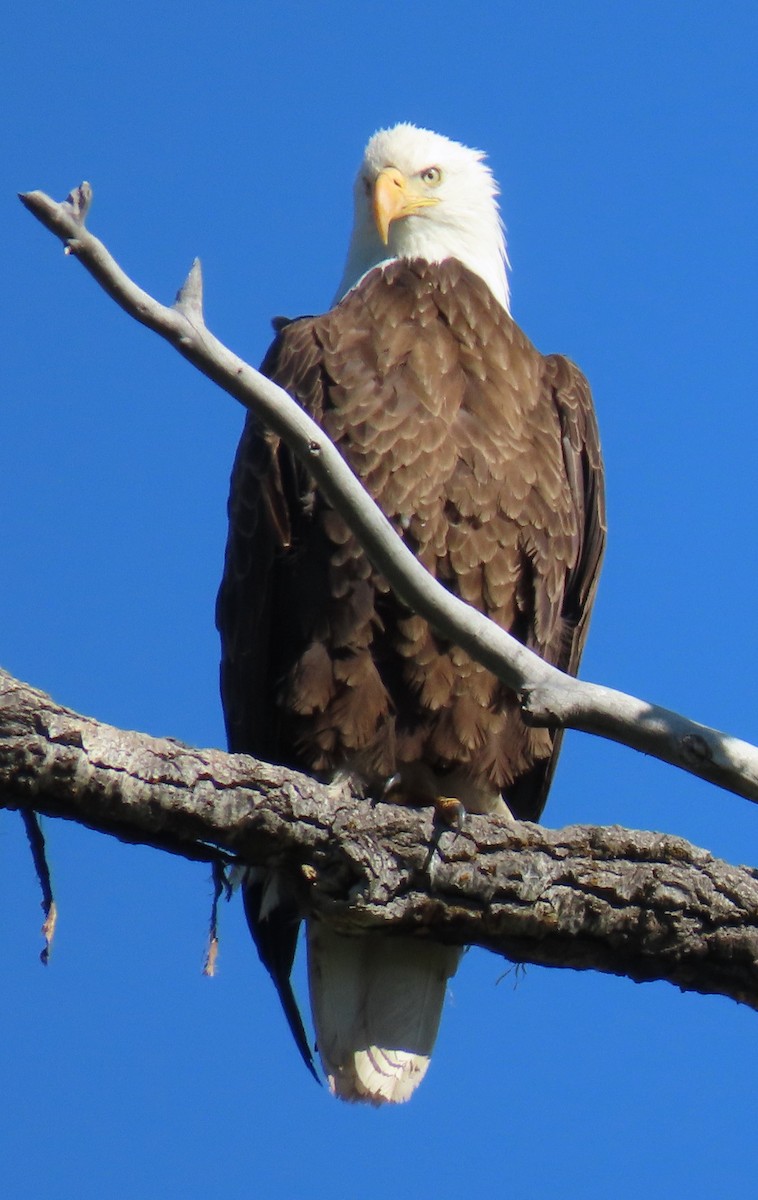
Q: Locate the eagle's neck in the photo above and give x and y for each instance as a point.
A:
(477, 243)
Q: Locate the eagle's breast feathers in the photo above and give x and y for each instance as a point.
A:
(485, 457)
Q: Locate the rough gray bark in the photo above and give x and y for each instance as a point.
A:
(644, 905)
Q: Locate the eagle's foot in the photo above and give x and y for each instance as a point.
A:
(415, 785)
(450, 811)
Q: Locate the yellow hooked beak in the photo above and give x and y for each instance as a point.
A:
(395, 197)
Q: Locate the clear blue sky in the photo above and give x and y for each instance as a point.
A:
(624, 138)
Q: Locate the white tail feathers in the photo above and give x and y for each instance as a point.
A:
(377, 1002)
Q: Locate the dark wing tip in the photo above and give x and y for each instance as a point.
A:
(275, 937)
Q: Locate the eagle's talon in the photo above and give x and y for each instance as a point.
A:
(414, 787)
(450, 811)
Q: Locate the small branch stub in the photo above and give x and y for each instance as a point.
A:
(697, 748)
(189, 298)
(79, 201)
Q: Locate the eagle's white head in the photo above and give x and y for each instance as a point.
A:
(420, 195)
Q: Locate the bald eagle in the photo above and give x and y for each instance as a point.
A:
(485, 457)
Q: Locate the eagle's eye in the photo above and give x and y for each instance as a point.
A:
(367, 185)
(432, 176)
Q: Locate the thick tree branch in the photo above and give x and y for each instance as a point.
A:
(643, 905)
(548, 696)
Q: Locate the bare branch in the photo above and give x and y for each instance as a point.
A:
(643, 905)
(548, 696)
